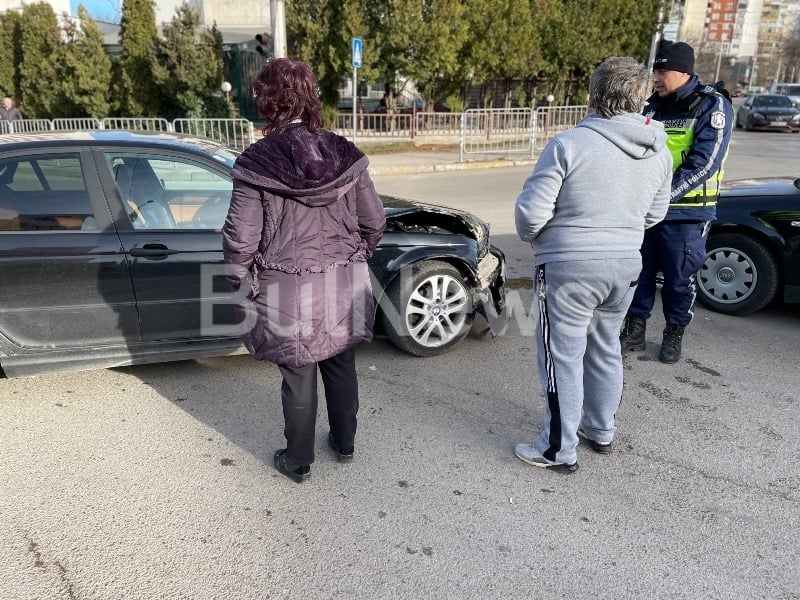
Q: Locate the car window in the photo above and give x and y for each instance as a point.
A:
(777, 101)
(44, 193)
(165, 192)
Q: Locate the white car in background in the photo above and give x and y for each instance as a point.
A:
(787, 89)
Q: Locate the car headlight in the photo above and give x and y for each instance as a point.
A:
(796, 118)
(758, 116)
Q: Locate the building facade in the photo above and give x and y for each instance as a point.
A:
(741, 41)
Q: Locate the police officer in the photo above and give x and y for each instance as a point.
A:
(698, 121)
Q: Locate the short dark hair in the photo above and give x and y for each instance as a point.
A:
(285, 90)
(617, 86)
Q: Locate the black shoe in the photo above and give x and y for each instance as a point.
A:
(298, 474)
(671, 344)
(596, 446)
(342, 454)
(632, 335)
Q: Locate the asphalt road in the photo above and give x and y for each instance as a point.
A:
(156, 481)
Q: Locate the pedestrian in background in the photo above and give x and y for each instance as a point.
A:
(303, 220)
(698, 120)
(584, 209)
(9, 112)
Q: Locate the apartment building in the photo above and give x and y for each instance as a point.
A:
(743, 39)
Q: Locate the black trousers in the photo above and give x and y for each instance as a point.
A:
(299, 395)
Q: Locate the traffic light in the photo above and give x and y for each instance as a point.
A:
(264, 44)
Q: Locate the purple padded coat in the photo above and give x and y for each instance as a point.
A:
(303, 220)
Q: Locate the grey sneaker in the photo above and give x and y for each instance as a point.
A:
(596, 446)
(528, 454)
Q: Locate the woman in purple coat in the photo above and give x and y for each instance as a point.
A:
(303, 221)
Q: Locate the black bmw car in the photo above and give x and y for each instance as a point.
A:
(111, 254)
(753, 249)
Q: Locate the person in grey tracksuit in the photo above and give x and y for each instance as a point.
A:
(584, 209)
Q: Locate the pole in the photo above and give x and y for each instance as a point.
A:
(355, 98)
(279, 30)
(653, 46)
(719, 61)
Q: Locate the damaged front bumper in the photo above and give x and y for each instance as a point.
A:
(489, 298)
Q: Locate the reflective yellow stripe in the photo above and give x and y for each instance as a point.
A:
(693, 204)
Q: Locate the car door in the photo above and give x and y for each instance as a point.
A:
(172, 206)
(65, 280)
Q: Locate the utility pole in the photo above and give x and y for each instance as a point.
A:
(719, 61)
(278, 18)
(653, 48)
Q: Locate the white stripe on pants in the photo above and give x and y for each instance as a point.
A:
(581, 306)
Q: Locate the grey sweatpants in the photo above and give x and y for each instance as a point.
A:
(580, 307)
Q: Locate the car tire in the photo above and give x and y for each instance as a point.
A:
(739, 275)
(737, 122)
(748, 125)
(431, 310)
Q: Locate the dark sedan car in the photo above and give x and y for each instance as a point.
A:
(111, 254)
(753, 250)
(768, 111)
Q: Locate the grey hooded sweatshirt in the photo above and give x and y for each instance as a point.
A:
(595, 188)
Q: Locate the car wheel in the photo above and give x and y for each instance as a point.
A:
(431, 309)
(737, 122)
(739, 276)
(748, 124)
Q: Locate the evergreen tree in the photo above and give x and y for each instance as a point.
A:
(42, 47)
(134, 91)
(187, 72)
(10, 52)
(320, 33)
(85, 70)
(508, 51)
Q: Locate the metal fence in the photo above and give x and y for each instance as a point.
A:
(551, 120)
(236, 133)
(476, 131)
(496, 131)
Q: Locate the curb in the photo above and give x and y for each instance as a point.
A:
(456, 166)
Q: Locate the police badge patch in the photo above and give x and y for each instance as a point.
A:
(718, 119)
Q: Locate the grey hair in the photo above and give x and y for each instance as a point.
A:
(617, 86)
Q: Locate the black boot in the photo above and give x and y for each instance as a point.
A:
(671, 344)
(632, 335)
(297, 473)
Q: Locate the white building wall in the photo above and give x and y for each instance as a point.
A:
(692, 29)
(59, 6)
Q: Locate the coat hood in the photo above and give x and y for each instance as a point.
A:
(637, 136)
(307, 167)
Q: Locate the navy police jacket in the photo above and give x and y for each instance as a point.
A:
(698, 121)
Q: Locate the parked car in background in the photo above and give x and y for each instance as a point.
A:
(789, 89)
(753, 249)
(768, 111)
(111, 254)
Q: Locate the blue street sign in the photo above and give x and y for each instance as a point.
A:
(358, 51)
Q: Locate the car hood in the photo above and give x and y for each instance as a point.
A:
(760, 186)
(409, 215)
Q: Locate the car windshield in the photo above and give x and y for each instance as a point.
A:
(778, 101)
